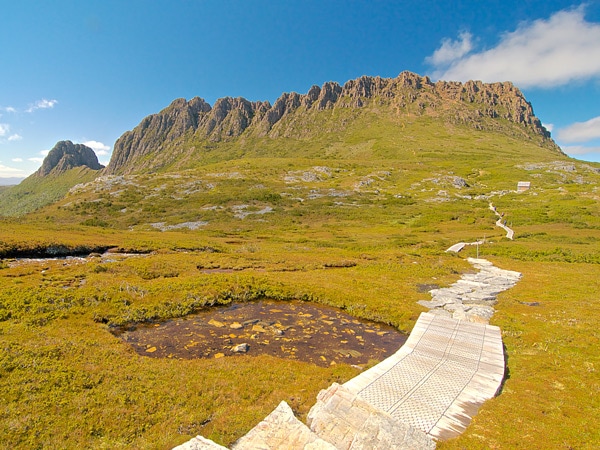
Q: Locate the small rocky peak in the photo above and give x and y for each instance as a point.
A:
(311, 96)
(330, 92)
(65, 155)
(286, 103)
(181, 115)
(412, 80)
(366, 87)
(229, 117)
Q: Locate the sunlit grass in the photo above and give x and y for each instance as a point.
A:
(359, 221)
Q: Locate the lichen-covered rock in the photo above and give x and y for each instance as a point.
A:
(279, 430)
(200, 443)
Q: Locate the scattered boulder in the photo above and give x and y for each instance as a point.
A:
(281, 429)
(200, 443)
(241, 348)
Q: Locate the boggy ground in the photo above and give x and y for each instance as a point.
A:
(296, 330)
(67, 382)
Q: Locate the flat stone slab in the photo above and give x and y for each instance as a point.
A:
(472, 296)
(199, 443)
(438, 380)
(430, 389)
(279, 430)
(349, 422)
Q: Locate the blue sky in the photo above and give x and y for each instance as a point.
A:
(90, 70)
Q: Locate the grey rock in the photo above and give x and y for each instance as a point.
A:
(348, 422)
(472, 297)
(230, 118)
(65, 155)
(200, 443)
(279, 430)
(241, 348)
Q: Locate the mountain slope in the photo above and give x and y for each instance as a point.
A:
(65, 166)
(190, 132)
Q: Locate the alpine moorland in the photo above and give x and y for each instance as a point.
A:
(346, 196)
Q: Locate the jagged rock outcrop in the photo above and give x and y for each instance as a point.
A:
(472, 103)
(65, 155)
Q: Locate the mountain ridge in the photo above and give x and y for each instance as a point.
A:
(473, 103)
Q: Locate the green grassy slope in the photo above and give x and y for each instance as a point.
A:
(357, 218)
(35, 192)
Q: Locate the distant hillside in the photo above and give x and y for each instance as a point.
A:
(408, 118)
(65, 166)
(307, 125)
(7, 182)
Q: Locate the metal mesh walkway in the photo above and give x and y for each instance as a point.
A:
(439, 378)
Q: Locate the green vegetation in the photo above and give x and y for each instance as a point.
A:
(355, 218)
(35, 192)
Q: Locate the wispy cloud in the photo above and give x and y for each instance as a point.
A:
(542, 53)
(451, 50)
(38, 159)
(579, 149)
(99, 148)
(7, 172)
(42, 104)
(580, 131)
(17, 160)
(8, 109)
(15, 137)
(4, 129)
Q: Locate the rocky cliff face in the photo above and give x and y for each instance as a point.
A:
(65, 155)
(467, 103)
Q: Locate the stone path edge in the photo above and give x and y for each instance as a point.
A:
(342, 418)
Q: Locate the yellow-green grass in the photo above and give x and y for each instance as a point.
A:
(551, 397)
(362, 235)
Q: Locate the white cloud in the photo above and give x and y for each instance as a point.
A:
(44, 152)
(579, 149)
(451, 50)
(42, 104)
(4, 129)
(98, 147)
(548, 126)
(36, 160)
(580, 131)
(542, 53)
(8, 109)
(15, 137)
(17, 160)
(7, 172)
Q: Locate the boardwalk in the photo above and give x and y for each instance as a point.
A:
(428, 390)
(439, 378)
(499, 223)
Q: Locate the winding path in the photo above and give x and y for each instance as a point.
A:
(429, 389)
(509, 232)
(452, 362)
(499, 223)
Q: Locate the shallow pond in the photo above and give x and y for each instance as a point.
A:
(295, 330)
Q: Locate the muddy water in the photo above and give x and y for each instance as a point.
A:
(296, 330)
